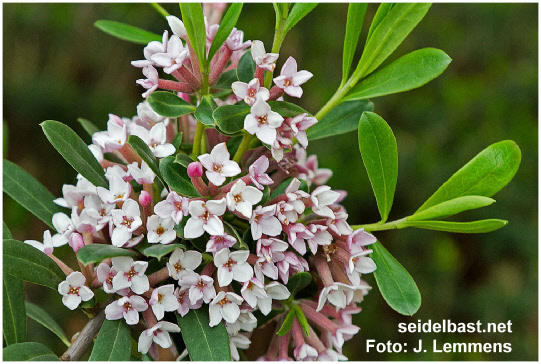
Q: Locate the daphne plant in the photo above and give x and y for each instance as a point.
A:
(201, 219)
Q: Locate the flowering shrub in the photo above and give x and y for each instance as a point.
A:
(204, 215)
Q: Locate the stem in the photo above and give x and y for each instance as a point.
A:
(337, 97)
(279, 35)
(197, 138)
(159, 9)
(243, 147)
(380, 227)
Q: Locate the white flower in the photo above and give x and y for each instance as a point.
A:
(98, 210)
(74, 290)
(130, 274)
(205, 217)
(360, 263)
(263, 221)
(275, 291)
(174, 57)
(174, 206)
(49, 243)
(117, 171)
(184, 302)
(271, 249)
(226, 306)
(261, 58)
(257, 172)
(241, 198)
(162, 300)
(218, 165)
(183, 262)
(160, 230)
(127, 307)
(338, 294)
(105, 275)
(148, 117)
(252, 291)
(114, 137)
(141, 175)
(155, 138)
(305, 352)
(235, 41)
(236, 342)
(321, 197)
(151, 49)
(218, 242)
(263, 122)
(158, 333)
(201, 287)
(232, 265)
(63, 224)
(176, 25)
(126, 221)
(249, 92)
(119, 190)
(290, 80)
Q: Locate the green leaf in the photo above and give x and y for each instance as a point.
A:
(6, 234)
(75, 152)
(204, 343)
(29, 264)
(88, 126)
(29, 193)
(183, 159)
(127, 32)
(205, 109)
(169, 105)
(230, 118)
(14, 315)
(176, 176)
(177, 140)
(401, 19)
(395, 283)
(226, 79)
(356, 12)
(28, 352)
(95, 253)
(41, 316)
(113, 342)
(287, 109)
(298, 282)
(282, 187)
(452, 207)
(240, 244)
(226, 26)
(288, 322)
(194, 21)
(297, 12)
(381, 13)
(472, 227)
(302, 320)
(143, 151)
(246, 68)
(406, 73)
(160, 250)
(380, 157)
(342, 119)
(484, 175)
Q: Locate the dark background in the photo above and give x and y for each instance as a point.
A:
(58, 66)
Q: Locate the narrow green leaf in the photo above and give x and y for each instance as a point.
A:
(88, 126)
(354, 24)
(380, 157)
(401, 19)
(183, 159)
(282, 187)
(176, 176)
(177, 140)
(127, 32)
(286, 325)
(95, 253)
(29, 193)
(395, 283)
(452, 207)
(205, 109)
(298, 282)
(381, 13)
(287, 109)
(194, 21)
(302, 320)
(406, 73)
(484, 175)
(246, 68)
(29, 264)
(226, 26)
(160, 9)
(204, 343)
(297, 12)
(28, 352)
(6, 234)
(160, 250)
(230, 118)
(472, 227)
(113, 342)
(75, 152)
(342, 119)
(143, 151)
(41, 316)
(14, 315)
(169, 105)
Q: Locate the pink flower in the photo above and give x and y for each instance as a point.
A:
(321, 197)
(249, 92)
(218, 165)
(263, 122)
(299, 124)
(130, 275)
(155, 138)
(173, 58)
(235, 40)
(257, 172)
(338, 294)
(184, 302)
(141, 175)
(261, 58)
(271, 249)
(218, 242)
(74, 290)
(226, 306)
(358, 240)
(339, 224)
(205, 217)
(174, 206)
(162, 300)
(290, 80)
(159, 334)
(105, 275)
(252, 291)
(263, 221)
(126, 221)
(127, 307)
(150, 83)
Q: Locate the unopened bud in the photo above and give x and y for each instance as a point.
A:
(195, 170)
(76, 241)
(144, 198)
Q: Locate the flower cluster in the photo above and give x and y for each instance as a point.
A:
(256, 221)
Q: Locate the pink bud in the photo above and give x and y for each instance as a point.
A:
(195, 170)
(183, 96)
(76, 241)
(144, 198)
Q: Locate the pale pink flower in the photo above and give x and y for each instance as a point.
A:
(174, 206)
(150, 83)
(305, 352)
(205, 217)
(359, 239)
(159, 334)
(174, 57)
(321, 198)
(218, 165)
(130, 275)
(252, 291)
(150, 49)
(183, 262)
(241, 198)
(299, 124)
(119, 190)
(218, 242)
(184, 302)
(177, 26)
(232, 266)
(141, 175)
(263, 221)
(105, 275)
(262, 122)
(290, 80)
(163, 300)
(114, 137)
(262, 59)
(257, 172)
(74, 291)
(127, 308)
(249, 92)
(48, 244)
(126, 220)
(338, 294)
(160, 230)
(235, 41)
(226, 306)
(275, 291)
(339, 223)
(155, 138)
(271, 249)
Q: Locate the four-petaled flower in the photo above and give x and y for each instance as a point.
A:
(159, 334)
(127, 307)
(262, 122)
(130, 275)
(225, 305)
(250, 92)
(241, 198)
(290, 80)
(232, 265)
(183, 262)
(205, 217)
(74, 290)
(218, 165)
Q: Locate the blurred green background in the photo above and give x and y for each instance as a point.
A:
(58, 66)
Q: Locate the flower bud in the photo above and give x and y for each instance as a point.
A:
(195, 170)
(144, 198)
(76, 241)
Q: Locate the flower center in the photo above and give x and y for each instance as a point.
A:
(262, 119)
(128, 306)
(178, 205)
(131, 274)
(206, 215)
(237, 198)
(251, 92)
(121, 195)
(250, 285)
(160, 230)
(160, 297)
(217, 168)
(110, 280)
(178, 267)
(127, 221)
(329, 250)
(74, 290)
(201, 284)
(224, 301)
(287, 83)
(230, 263)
